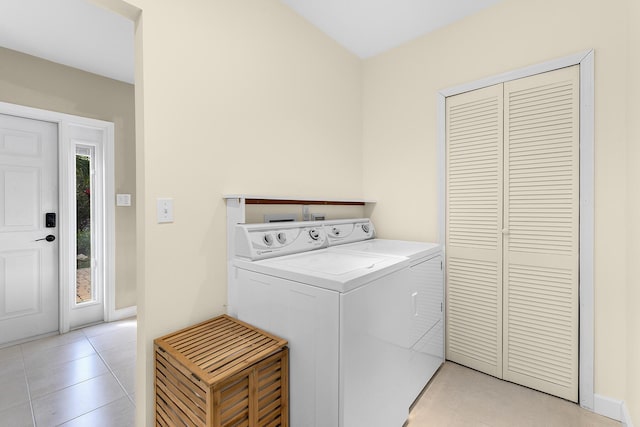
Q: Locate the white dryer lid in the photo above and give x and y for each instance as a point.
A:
(338, 271)
(410, 249)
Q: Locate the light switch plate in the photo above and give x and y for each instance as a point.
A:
(123, 199)
(165, 210)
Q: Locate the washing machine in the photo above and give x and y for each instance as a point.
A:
(348, 316)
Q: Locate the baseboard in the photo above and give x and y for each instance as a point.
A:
(612, 408)
(626, 416)
(123, 313)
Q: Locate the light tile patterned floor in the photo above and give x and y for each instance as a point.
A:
(461, 397)
(86, 379)
(83, 378)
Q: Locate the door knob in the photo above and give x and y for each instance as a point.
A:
(49, 238)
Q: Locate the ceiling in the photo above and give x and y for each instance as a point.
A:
(87, 37)
(369, 27)
(70, 32)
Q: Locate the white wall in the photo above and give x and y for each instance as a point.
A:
(400, 131)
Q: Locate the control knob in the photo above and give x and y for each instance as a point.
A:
(282, 237)
(314, 234)
(267, 239)
(335, 231)
(365, 228)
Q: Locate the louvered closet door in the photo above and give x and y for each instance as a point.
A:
(474, 221)
(541, 201)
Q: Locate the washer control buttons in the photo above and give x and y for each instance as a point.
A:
(267, 239)
(314, 234)
(365, 228)
(282, 237)
(335, 231)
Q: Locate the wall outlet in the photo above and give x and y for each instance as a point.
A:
(165, 210)
(305, 213)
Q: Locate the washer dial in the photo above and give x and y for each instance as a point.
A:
(281, 237)
(314, 234)
(267, 239)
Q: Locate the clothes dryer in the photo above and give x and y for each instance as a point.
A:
(425, 292)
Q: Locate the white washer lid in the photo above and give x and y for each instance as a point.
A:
(405, 248)
(333, 270)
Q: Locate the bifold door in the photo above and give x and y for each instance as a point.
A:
(512, 231)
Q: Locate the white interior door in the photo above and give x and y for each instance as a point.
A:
(28, 262)
(474, 222)
(541, 220)
(512, 230)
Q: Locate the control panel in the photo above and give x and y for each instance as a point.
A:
(348, 231)
(259, 241)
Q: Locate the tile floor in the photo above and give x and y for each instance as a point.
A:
(461, 397)
(86, 378)
(83, 378)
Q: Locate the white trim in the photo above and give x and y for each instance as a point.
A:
(110, 223)
(626, 416)
(235, 215)
(65, 122)
(543, 67)
(608, 407)
(123, 313)
(586, 61)
(587, 203)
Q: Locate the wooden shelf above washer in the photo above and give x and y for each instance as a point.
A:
(264, 200)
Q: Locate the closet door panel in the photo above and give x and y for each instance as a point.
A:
(474, 221)
(541, 215)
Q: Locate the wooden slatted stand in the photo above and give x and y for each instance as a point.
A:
(221, 373)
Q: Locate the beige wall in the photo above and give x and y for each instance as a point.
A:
(633, 215)
(400, 131)
(239, 97)
(34, 82)
(256, 213)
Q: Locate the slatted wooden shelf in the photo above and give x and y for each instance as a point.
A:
(221, 373)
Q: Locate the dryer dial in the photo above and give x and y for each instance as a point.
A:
(267, 239)
(365, 228)
(281, 237)
(314, 234)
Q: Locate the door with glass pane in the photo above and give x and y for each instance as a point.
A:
(87, 294)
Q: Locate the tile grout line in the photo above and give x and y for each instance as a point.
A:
(26, 379)
(110, 371)
(86, 338)
(109, 367)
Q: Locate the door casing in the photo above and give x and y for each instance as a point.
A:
(66, 175)
(586, 289)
